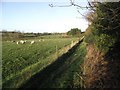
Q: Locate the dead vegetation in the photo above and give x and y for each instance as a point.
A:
(101, 71)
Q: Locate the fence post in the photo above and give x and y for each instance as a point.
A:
(56, 51)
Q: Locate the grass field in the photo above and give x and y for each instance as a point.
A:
(20, 62)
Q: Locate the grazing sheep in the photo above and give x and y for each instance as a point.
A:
(32, 42)
(22, 42)
(13, 41)
(17, 42)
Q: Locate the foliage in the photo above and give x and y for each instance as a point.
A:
(11, 35)
(104, 42)
(105, 25)
(74, 32)
(17, 35)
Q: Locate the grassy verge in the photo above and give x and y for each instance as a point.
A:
(69, 74)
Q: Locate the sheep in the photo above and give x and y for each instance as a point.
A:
(32, 42)
(17, 42)
(22, 42)
(13, 41)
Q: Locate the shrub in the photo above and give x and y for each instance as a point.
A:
(104, 42)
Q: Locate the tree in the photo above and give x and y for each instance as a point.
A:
(74, 32)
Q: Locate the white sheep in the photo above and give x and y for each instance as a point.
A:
(17, 42)
(22, 42)
(13, 41)
(32, 42)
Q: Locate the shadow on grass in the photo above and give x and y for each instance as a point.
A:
(39, 80)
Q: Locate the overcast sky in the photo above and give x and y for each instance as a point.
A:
(38, 16)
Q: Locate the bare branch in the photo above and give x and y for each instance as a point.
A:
(81, 13)
(72, 3)
(51, 5)
(91, 6)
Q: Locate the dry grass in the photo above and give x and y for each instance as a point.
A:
(102, 70)
(95, 69)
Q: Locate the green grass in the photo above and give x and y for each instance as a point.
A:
(0, 62)
(68, 75)
(20, 62)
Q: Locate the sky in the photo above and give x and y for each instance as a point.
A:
(37, 16)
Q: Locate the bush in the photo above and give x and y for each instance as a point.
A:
(74, 32)
(104, 42)
(104, 29)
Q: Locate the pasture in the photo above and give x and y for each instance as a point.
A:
(21, 61)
